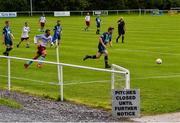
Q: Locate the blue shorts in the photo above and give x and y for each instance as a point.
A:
(56, 37)
(101, 49)
(98, 25)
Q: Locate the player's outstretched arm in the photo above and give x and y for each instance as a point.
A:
(110, 43)
(36, 38)
(12, 36)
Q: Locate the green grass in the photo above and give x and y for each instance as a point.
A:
(147, 38)
(9, 103)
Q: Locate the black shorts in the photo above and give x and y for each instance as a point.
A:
(42, 24)
(121, 32)
(8, 43)
(22, 39)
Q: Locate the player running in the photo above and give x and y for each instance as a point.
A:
(7, 38)
(42, 21)
(57, 33)
(43, 41)
(87, 21)
(25, 35)
(98, 24)
(103, 41)
(121, 29)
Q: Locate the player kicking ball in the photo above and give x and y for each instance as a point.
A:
(43, 41)
(103, 41)
(7, 38)
(25, 35)
(57, 33)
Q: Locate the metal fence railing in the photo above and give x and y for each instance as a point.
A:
(115, 69)
(82, 13)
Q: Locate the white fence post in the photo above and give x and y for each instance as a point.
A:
(127, 80)
(112, 78)
(60, 72)
(9, 75)
(61, 82)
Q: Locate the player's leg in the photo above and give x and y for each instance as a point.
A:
(9, 47)
(88, 25)
(58, 40)
(42, 27)
(27, 42)
(42, 57)
(22, 39)
(123, 36)
(119, 35)
(85, 29)
(106, 59)
(38, 54)
(98, 55)
(28, 63)
(98, 29)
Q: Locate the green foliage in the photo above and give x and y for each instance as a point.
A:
(52, 5)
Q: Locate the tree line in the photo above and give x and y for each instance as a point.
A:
(61, 5)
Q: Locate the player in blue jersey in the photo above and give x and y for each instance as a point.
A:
(57, 32)
(43, 42)
(7, 38)
(103, 41)
(98, 24)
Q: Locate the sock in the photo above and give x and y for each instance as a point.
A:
(122, 39)
(106, 60)
(98, 31)
(29, 62)
(93, 57)
(41, 59)
(19, 43)
(10, 49)
(7, 49)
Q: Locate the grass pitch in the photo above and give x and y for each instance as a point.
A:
(147, 38)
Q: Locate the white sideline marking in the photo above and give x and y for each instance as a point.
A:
(89, 82)
(128, 50)
(32, 80)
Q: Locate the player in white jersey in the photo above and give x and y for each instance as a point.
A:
(87, 21)
(43, 42)
(25, 35)
(42, 22)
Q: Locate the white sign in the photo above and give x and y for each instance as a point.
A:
(8, 14)
(126, 103)
(61, 13)
(97, 12)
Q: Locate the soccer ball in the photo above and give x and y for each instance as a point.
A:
(158, 61)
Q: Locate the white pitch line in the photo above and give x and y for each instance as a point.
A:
(89, 82)
(32, 80)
